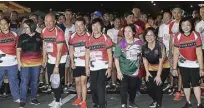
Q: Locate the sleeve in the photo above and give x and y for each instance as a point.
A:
(117, 52)
(197, 28)
(109, 43)
(60, 37)
(176, 41)
(198, 40)
(170, 27)
(70, 42)
(19, 42)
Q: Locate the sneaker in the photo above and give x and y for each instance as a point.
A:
(47, 90)
(77, 102)
(166, 87)
(153, 105)
(71, 88)
(52, 103)
(34, 102)
(40, 85)
(187, 105)
(132, 105)
(177, 96)
(56, 105)
(123, 106)
(65, 90)
(17, 101)
(5, 95)
(171, 91)
(83, 105)
(158, 106)
(200, 106)
(182, 93)
(22, 105)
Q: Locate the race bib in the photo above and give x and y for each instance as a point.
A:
(96, 55)
(131, 54)
(166, 37)
(49, 47)
(79, 51)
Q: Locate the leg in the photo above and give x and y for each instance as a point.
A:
(78, 86)
(2, 74)
(25, 76)
(101, 86)
(124, 89)
(114, 74)
(14, 81)
(179, 81)
(84, 87)
(93, 80)
(151, 86)
(35, 71)
(133, 81)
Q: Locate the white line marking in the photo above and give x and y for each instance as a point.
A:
(68, 98)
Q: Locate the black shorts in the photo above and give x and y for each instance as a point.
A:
(190, 77)
(79, 71)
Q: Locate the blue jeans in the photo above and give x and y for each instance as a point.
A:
(12, 73)
(29, 75)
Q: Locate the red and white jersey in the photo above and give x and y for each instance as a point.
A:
(173, 28)
(51, 39)
(187, 48)
(79, 42)
(98, 51)
(139, 31)
(8, 44)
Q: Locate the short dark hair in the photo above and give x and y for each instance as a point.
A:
(70, 10)
(100, 21)
(116, 18)
(128, 13)
(34, 15)
(31, 25)
(147, 30)
(80, 19)
(6, 19)
(183, 20)
(133, 28)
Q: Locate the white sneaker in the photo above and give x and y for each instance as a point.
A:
(17, 101)
(56, 105)
(52, 103)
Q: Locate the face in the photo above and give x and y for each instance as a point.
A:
(1, 15)
(61, 19)
(4, 26)
(68, 15)
(96, 28)
(117, 23)
(128, 32)
(87, 20)
(202, 13)
(177, 13)
(151, 22)
(111, 17)
(159, 17)
(186, 26)
(106, 17)
(13, 16)
(129, 19)
(49, 22)
(80, 27)
(150, 37)
(166, 18)
(136, 12)
(34, 18)
(144, 18)
(26, 28)
(40, 20)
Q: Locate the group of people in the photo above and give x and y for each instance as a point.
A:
(93, 49)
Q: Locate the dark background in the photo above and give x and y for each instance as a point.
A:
(111, 6)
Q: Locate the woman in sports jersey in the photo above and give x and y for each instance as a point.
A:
(190, 64)
(127, 56)
(156, 65)
(29, 56)
(99, 56)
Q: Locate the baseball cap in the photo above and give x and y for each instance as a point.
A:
(98, 13)
(55, 80)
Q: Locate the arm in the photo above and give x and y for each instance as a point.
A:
(18, 55)
(146, 65)
(71, 54)
(59, 52)
(110, 57)
(44, 54)
(87, 62)
(199, 57)
(175, 57)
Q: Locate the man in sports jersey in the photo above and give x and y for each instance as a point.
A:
(98, 62)
(200, 29)
(54, 54)
(113, 33)
(77, 56)
(164, 37)
(173, 29)
(8, 61)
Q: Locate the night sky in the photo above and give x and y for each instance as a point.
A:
(111, 6)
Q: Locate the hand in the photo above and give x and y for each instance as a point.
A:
(73, 65)
(158, 80)
(201, 73)
(175, 73)
(120, 76)
(87, 72)
(19, 66)
(56, 70)
(44, 64)
(147, 76)
(108, 73)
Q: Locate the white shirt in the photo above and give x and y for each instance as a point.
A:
(113, 33)
(200, 29)
(164, 33)
(67, 34)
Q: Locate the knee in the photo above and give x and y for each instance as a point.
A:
(78, 82)
(83, 83)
